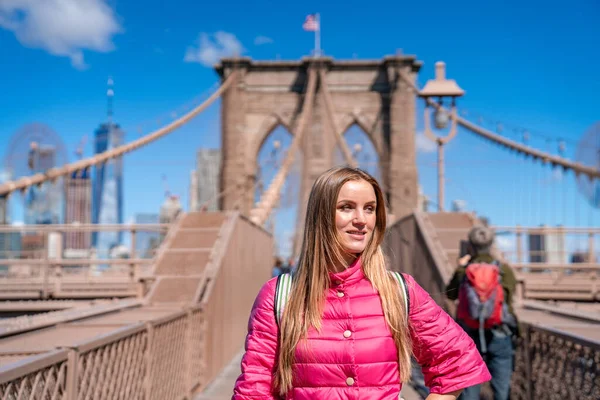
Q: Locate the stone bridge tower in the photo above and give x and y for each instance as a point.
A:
(369, 93)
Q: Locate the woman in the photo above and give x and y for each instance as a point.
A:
(344, 332)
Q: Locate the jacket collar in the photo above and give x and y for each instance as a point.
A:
(349, 276)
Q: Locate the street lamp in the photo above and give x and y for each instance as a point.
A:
(440, 87)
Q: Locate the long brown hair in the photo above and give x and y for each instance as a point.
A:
(320, 251)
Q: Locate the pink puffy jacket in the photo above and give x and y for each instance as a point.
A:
(354, 355)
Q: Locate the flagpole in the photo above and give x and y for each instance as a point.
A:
(318, 36)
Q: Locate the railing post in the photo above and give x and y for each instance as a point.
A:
(519, 245)
(188, 355)
(149, 362)
(55, 255)
(202, 344)
(591, 249)
(72, 384)
(134, 271)
(45, 268)
(58, 276)
(527, 359)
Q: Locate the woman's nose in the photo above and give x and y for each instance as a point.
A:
(359, 217)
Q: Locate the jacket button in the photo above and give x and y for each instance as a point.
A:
(347, 334)
(340, 294)
(350, 381)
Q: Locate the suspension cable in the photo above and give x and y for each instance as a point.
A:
(590, 172)
(333, 126)
(261, 212)
(54, 173)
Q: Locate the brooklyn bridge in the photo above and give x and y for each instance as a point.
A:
(172, 326)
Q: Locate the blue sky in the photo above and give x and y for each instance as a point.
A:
(527, 65)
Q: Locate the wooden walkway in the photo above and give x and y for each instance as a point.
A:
(222, 387)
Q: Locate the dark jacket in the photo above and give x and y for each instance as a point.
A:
(509, 281)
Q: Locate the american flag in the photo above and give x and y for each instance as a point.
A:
(311, 24)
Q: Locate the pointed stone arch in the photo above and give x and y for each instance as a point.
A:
(368, 93)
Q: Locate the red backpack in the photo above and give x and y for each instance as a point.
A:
(481, 303)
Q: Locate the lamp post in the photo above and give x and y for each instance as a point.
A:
(440, 87)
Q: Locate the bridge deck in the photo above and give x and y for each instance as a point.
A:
(584, 325)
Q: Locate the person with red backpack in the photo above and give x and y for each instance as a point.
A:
(484, 289)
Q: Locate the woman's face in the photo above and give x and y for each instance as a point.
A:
(355, 215)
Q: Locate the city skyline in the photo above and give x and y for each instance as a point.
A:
(107, 187)
(502, 84)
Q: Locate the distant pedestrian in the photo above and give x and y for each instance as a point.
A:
(277, 267)
(484, 289)
(290, 264)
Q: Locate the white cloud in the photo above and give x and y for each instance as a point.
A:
(209, 52)
(61, 27)
(424, 144)
(260, 40)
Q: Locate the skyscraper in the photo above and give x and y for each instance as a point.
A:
(107, 190)
(107, 193)
(547, 247)
(43, 204)
(4, 213)
(78, 209)
(208, 165)
(193, 191)
(10, 242)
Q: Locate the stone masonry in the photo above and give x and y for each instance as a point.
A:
(369, 93)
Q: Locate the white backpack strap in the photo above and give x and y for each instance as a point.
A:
(400, 278)
(282, 293)
(284, 287)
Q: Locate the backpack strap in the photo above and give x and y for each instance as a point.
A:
(284, 286)
(282, 293)
(402, 282)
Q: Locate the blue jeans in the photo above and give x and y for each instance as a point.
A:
(418, 380)
(499, 360)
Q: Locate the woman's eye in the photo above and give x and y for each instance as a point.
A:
(370, 209)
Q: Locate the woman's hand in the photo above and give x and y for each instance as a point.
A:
(464, 260)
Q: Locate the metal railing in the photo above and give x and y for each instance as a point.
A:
(550, 263)
(550, 364)
(39, 246)
(170, 357)
(535, 247)
(541, 248)
(36, 261)
(152, 360)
